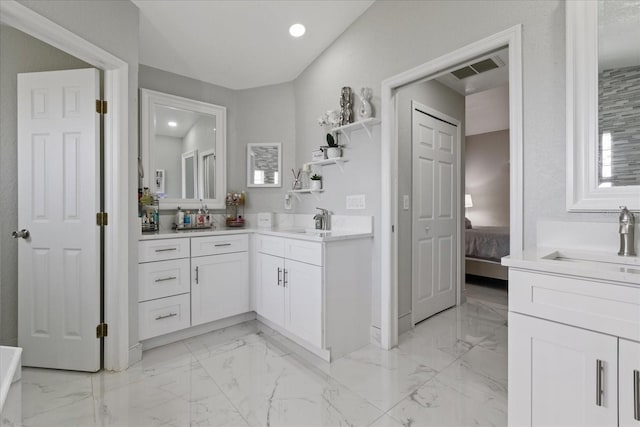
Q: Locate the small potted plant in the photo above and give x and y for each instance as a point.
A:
(315, 182)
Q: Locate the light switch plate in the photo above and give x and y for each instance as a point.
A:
(405, 202)
(356, 201)
(287, 201)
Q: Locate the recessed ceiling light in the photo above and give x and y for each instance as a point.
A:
(172, 124)
(297, 30)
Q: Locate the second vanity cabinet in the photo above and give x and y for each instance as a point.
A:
(315, 293)
(574, 351)
(289, 292)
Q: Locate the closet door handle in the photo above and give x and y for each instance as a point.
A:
(279, 278)
(636, 395)
(599, 381)
(197, 274)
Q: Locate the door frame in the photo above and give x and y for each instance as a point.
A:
(116, 161)
(438, 115)
(511, 38)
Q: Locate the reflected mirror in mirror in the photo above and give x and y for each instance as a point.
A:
(618, 93)
(264, 165)
(184, 146)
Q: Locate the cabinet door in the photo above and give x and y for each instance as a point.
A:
(219, 287)
(629, 383)
(270, 303)
(303, 301)
(553, 375)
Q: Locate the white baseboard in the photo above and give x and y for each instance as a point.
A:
(197, 330)
(374, 335)
(135, 353)
(404, 323)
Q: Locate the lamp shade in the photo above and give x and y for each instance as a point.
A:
(468, 202)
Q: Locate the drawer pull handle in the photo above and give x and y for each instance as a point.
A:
(166, 316)
(164, 279)
(166, 250)
(222, 244)
(279, 278)
(636, 395)
(599, 381)
(285, 277)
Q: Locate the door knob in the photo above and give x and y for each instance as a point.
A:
(20, 234)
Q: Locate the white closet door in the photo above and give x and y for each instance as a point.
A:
(58, 197)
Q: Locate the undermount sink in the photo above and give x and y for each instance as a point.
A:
(310, 231)
(592, 257)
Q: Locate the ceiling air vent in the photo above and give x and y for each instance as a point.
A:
(478, 67)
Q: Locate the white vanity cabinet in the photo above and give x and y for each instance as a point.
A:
(289, 292)
(573, 350)
(163, 287)
(311, 291)
(219, 277)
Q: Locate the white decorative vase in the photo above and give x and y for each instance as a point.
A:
(364, 110)
(315, 184)
(334, 152)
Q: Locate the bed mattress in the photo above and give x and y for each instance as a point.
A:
(490, 243)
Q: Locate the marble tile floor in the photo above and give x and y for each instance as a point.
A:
(450, 370)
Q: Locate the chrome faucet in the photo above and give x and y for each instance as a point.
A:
(626, 231)
(322, 219)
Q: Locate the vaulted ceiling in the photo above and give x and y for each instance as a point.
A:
(240, 44)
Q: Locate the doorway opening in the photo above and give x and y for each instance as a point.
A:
(509, 39)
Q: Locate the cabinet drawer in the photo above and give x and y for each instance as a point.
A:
(270, 245)
(164, 249)
(215, 245)
(163, 279)
(299, 250)
(599, 306)
(164, 315)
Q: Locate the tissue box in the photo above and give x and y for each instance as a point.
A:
(265, 220)
(317, 155)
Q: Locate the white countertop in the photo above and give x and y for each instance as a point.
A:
(290, 233)
(588, 264)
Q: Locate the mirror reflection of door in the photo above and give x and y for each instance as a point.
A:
(208, 174)
(178, 138)
(189, 174)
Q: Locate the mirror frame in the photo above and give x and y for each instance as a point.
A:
(149, 99)
(583, 194)
(264, 144)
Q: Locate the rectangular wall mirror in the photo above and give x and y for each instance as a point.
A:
(264, 165)
(603, 105)
(183, 150)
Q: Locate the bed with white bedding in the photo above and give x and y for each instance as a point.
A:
(484, 248)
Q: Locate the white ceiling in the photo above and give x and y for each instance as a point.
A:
(240, 44)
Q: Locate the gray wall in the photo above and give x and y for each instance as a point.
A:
(451, 103)
(19, 53)
(112, 26)
(487, 178)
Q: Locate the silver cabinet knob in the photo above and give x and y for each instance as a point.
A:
(24, 234)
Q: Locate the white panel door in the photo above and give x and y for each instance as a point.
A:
(434, 225)
(303, 301)
(270, 272)
(629, 383)
(219, 287)
(58, 197)
(553, 371)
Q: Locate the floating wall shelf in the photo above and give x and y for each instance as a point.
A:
(339, 161)
(366, 124)
(306, 190)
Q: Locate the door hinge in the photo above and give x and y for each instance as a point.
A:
(101, 106)
(102, 219)
(101, 330)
